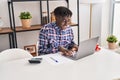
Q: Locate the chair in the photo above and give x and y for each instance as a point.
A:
(13, 54)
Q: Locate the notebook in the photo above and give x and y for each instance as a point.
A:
(86, 48)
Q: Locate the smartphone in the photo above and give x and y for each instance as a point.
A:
(35, 60)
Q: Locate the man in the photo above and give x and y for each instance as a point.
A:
(58, 36)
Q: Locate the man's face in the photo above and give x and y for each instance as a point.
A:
(63, 22)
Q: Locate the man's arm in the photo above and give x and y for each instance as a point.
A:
(71, 47)
(43, 42)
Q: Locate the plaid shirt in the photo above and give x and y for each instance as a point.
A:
(51, 37)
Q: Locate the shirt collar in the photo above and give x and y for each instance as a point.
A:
(57, 27)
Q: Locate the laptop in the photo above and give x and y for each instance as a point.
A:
(86, 48)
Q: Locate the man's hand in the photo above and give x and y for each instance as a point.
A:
(65, 51)
(74, 48)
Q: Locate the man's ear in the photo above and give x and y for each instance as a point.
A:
(56, 18)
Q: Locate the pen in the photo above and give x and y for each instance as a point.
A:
(53, 59)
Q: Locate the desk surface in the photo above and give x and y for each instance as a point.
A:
(102, 65)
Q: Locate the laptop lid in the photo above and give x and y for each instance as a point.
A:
(86, 48)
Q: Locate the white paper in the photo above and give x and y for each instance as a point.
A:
(56, 59)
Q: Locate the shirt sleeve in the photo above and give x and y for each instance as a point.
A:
(71, 37)
(43, 47)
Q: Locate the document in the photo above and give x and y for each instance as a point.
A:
(57, 58)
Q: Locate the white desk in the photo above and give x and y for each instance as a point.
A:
(103, 65)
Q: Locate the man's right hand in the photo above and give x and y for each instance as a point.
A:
(65, 51)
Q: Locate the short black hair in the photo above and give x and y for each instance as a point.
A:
(62, 11)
